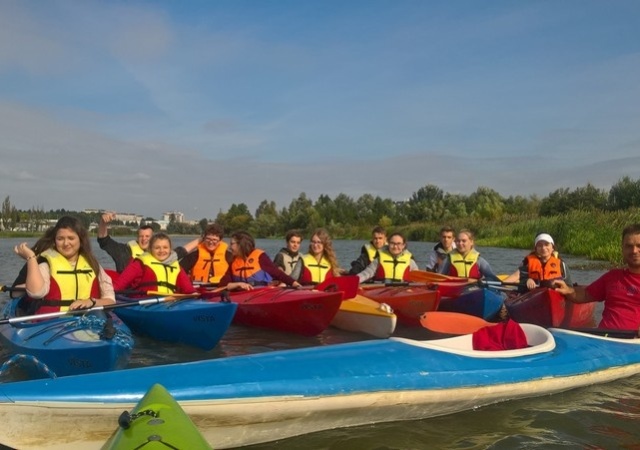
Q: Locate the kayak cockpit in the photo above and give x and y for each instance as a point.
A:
(539, 339)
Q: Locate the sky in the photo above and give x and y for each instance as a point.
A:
(192, 106)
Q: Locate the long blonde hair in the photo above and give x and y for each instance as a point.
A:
(327, 249)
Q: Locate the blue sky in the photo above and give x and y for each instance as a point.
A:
(150, 106)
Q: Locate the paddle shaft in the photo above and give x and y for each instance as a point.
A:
(51, 315)
(423, 276)
(608, 332)
(4, 288)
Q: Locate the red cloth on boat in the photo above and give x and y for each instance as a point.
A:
(507, 335)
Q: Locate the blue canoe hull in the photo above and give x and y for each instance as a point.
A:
(194, 322)
(69, 345)
(292, 392)
(484, 303)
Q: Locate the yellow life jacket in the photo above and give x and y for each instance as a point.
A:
(69, 282)
(465, 267)
(159, 276)
(393, 268)
(317, 271)
(371, 251)
(136, 250)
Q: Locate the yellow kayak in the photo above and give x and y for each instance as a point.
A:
(363, 315)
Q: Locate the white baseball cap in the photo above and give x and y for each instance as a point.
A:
(543, 237)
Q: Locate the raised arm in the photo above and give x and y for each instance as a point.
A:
(192, 245)
(35, 281)
(105, 218)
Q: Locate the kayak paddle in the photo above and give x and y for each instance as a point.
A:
(459, 323)
(424, 276)
(453, 322)
(51, 315)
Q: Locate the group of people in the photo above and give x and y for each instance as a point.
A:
(61, 272)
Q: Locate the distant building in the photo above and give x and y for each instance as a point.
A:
(123, 217)
(129, 217)
(179, 217)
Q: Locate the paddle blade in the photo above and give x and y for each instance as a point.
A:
(452, 322)
(423, 276)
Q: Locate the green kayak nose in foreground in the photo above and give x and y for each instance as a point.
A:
(157, 421)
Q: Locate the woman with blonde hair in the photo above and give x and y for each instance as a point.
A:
(465, 261)
(320, 263)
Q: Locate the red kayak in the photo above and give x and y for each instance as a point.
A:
(547, 308)
(306, 312)
(407, 302)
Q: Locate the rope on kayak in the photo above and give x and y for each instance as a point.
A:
(107, 330)
(22, 360)
(126, 417)
(104, 327)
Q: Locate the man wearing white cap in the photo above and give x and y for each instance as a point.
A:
(542, 266)
(618, 289)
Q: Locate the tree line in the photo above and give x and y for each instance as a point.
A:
(346, 217)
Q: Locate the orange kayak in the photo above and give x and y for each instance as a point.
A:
(408, 302)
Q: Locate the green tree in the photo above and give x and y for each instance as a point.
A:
(299, 215)
(345, 209)
(588, 198)
(203, 225)
(485, 203)
(5, 214)
(522, 205)
(455, 207)
(426, 204)
(267, 220)
(364, 210)
(238, 218)
(624, 194)
(557, 202)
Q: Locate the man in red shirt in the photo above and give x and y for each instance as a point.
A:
(619, 289)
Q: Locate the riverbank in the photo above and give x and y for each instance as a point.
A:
(595, 235)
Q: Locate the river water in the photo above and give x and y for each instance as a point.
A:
(598, 417)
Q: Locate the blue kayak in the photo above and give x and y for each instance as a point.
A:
(67, 345)
(189, 321)
(480, 302)
(248, 399)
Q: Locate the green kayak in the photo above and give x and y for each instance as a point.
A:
(157, 421)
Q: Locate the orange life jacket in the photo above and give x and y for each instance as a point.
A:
(249, 270)
(210, 267)
(551, 270)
